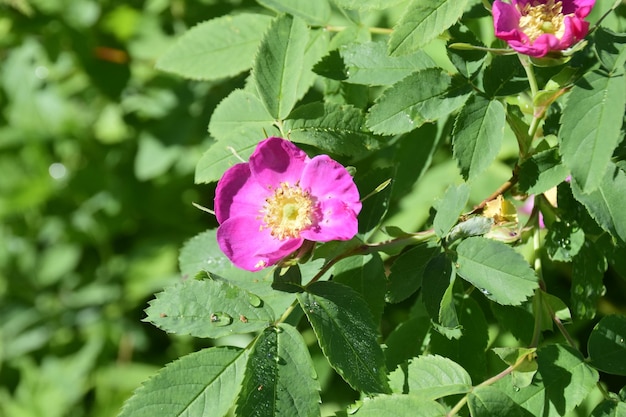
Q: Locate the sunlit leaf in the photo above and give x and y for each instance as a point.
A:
(607, 345)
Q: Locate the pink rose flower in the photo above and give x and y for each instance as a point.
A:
(538, 27)
(270, 205)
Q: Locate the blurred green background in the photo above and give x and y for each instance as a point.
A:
(97, 153)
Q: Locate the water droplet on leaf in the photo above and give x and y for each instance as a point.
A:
(221, 319)
(254, 300)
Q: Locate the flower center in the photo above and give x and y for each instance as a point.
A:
(542, 18)
(289, 211)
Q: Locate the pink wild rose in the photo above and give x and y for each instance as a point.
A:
(269, 206)
(538, 27)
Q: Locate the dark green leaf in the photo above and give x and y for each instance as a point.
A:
(375, 206)
(590, 127)
(588, 271)
(365, 275)
(496, 269)
(347, 334)
(202, 384)
(564, 241)
(505, 76)
(431, 377)
(407, 271)
(438, 292)
(279, 379)
(215, 49)
(609, 408)
(541, 172)
(607, 345)
(611, 49)
(423, 21)
(490, 401)
(279, 63)
(467, 62)
(419, 98)
(405, 342)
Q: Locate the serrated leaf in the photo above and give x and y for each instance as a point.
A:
(368, 63)
(496, 269)
(241, 114)
(609, 408)
(208, 308)
(279, 379)
(333, 128)
(449, 208)
(405, 342)
(564, 241)
(588, 270)
(477, 135)
(541, 172)
(417, 99)
(431, 377)
(438, 295)
(489, 401)
(607, 345)
(423, 21)
(504, 76)
(399, 405)
(201, 384)
(590, 127)
(347, 334)
(218, 48)
(366, 4)
(606, 203)
(407, 271)
(467, 62)
(278, 65)
(313, 12)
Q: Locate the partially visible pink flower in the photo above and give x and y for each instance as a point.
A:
(269, 206)
(538, 27)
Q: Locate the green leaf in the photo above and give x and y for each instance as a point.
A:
(419, 98)
(399, 405)
(219, 48)
(368, 63)
(376, 205)
(588, 271)
(609, 408)
(496, 269)
(449, 208)
(489, 401)
(208, 308)
(241, 114)
(202, 384)
(366, 4)
(153, 158)
(477, 135)
(313, 12)
(467, 62)
(611, 49)
(563, 241)
(525, 370)
(405, 342)
(333, 128)
(590, 127)
(606, 204)
(607, 345)
(366, 275)
(541, 172)
(407, 271)
(431, 377)
(562, 382)
(347, 334)
(504, 76)
(438, 289)
(279, 63)
(279, 379)
(423, 21)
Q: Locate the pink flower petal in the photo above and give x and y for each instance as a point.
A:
(251, 248)
(580, 7)
(238, 194)
(326, 179)
(506, 20)
(276, 160)
(338, 222)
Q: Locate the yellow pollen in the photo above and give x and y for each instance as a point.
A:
(289, 211)
(543, 18)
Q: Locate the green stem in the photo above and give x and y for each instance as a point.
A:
(534, 89)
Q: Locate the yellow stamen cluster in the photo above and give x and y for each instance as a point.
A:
(542, 18)
(289, 211)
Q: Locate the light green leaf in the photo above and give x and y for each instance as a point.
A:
(525, 364)
(477, 135)
(367, 4)
(221, 156)
(153, 158)
(316, 48)
(431, 377)
(588, 270)
(606, 203)
(449, 208)
(347, 334)
(208, 308)
(607, 345)
(399, 405)
(279, 379)
(489, 401)
(313, 12)
(278, 65)
(241, 114)
(423, 21)
(590, 128)
(496, 269)
(332, 128)
(419, 98)
(201, 384)
(215, 49)
(609, 408)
